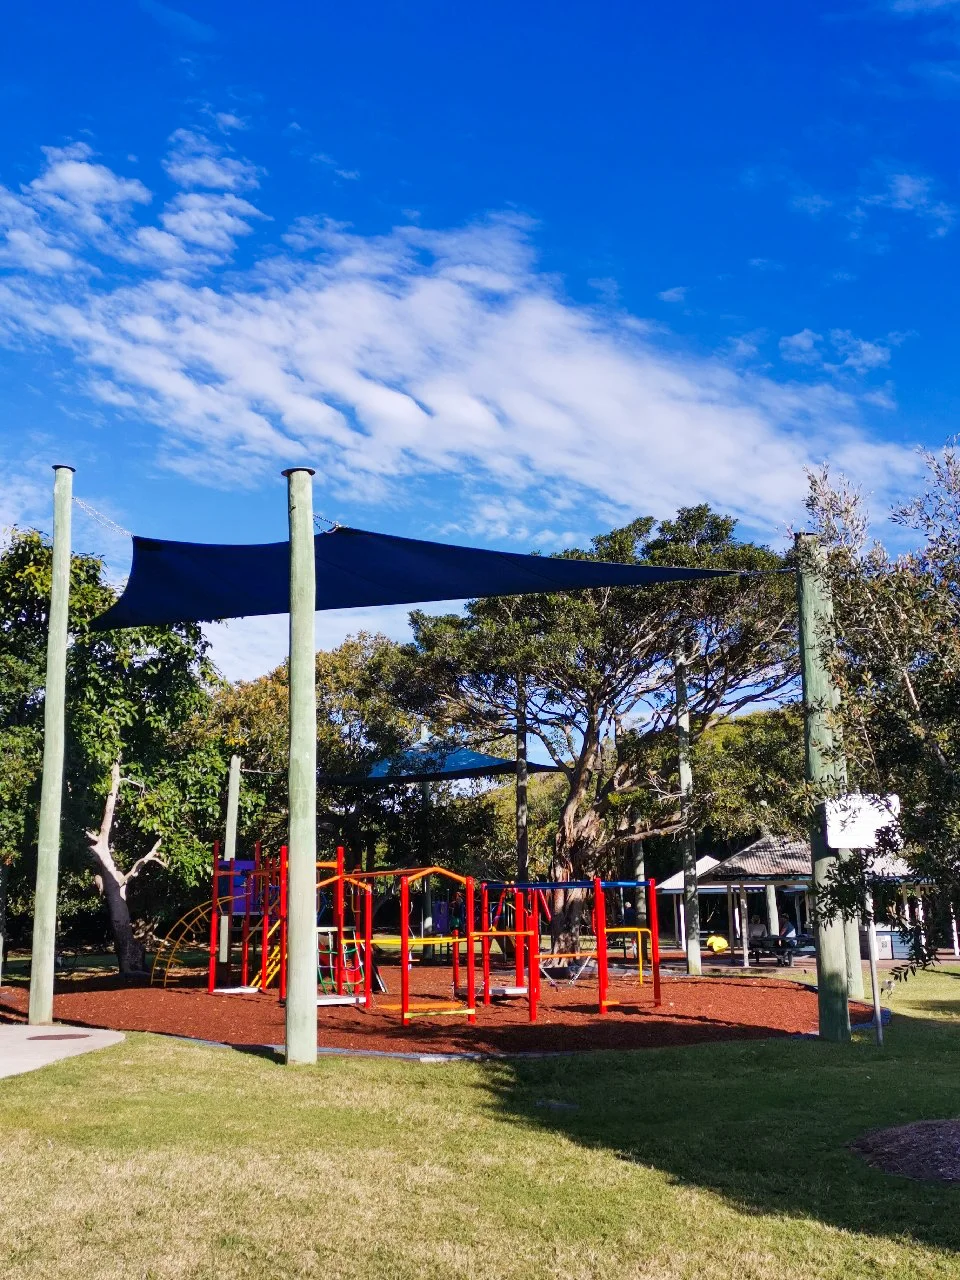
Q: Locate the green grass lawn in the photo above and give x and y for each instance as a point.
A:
(163, 1159)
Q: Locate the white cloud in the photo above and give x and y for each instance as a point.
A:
(180, 24)
(195, 161)
(853, 355)
(86, 194)
(349, 175)
(811, 202)
(802, 347)
(226, 120)
(209, 221)
(857, 354)
(676, 294)
(914, 193)
(920, 6)
(72, 202)
(390, 360)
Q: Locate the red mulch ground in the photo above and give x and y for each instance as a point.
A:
(693, 1011)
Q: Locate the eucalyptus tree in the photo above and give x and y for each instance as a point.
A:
(142, 788)
(898, 670)
(598, 674)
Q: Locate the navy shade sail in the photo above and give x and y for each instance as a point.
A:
(204, 582)
(432, 762)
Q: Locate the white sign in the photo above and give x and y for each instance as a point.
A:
(854, 820)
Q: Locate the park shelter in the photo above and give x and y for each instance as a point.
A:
(769, 865)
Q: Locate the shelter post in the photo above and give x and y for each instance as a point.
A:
(731, 931)
(688, 845)
(851, 948)
(773, 916)
(744, 929)
(874, 976)
(301, 992)
(819, 705)
(51, 788)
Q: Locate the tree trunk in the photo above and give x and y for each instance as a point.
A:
(112, 885)
(131, 953)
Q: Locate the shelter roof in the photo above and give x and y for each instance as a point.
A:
(434, 762)
(775, 859)
(771, 858)
(674, 883)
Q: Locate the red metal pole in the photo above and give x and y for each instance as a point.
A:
(471, 958)
(654, 939)
(600, 933)
(519, 925)
(404, 949)
(245, 953)
(533, 951)
(367, 946)
(484, 940)
(338, 921)
(214, 918)
(283, 922)
(266, 871)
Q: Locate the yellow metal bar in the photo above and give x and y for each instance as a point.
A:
(435, 1013)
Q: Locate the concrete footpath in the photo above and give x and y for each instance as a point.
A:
(25, 1048)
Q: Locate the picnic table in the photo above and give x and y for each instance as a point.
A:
(784, 950)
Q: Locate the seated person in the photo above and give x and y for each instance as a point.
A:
(787, 928)
(717, 943)
(757, 928)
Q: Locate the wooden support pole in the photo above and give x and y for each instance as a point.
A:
(42, 961)
(301, 992)
(819, 705)
(688, 844)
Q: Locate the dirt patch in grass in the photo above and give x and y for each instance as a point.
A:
(928, 1150)
(692, 1012)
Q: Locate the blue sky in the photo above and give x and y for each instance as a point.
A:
(505, 274)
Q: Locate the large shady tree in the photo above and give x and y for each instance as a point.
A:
(897, 666)
(591, 675)
(143, 786)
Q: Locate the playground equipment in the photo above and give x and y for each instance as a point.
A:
(530, 904)
(244, 930)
